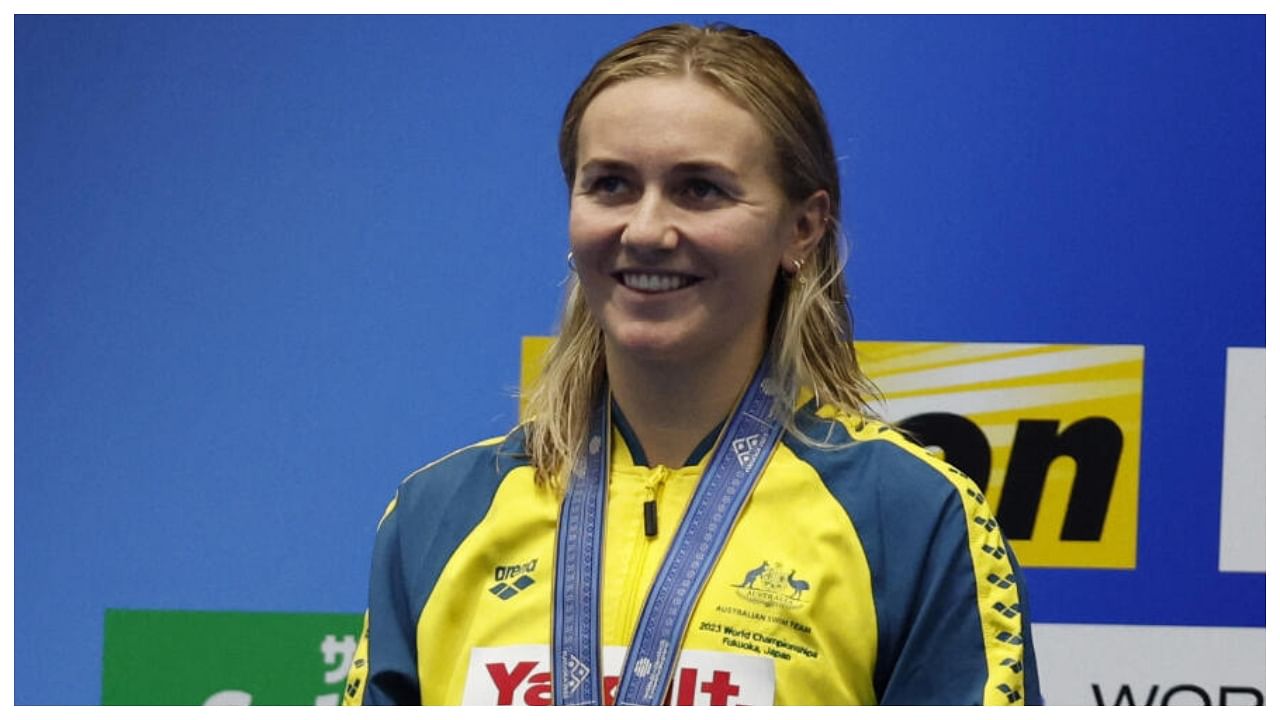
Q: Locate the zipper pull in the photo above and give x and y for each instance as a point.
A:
(651, 485)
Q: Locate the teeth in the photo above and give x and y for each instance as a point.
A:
(650, 282)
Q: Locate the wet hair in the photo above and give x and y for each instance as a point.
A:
(811, 327)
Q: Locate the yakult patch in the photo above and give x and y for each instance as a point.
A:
(521, 675)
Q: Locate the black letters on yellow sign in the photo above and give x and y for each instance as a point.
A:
(1094, 443)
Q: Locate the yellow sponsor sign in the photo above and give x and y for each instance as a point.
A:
(532, 352)
(1051, 431)
(1062, 425)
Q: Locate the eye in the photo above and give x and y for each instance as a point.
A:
(606, 185)
(702, 190)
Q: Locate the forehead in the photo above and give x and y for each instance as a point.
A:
(679, 118)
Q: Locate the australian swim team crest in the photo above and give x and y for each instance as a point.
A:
(774, 585)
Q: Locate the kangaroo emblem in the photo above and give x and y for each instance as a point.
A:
(797, 586)
(750, 579)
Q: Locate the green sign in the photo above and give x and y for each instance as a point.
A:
(177, 657)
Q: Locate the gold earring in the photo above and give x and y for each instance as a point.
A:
(797, 264)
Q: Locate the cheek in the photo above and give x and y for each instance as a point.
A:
(588, 226)
(752, 249)
(589, 240)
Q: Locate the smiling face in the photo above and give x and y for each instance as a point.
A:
(677, 223)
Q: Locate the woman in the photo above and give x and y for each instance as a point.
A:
(699, 508)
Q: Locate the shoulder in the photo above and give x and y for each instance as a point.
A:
(868, 464)
(949, 606)
(465, 477)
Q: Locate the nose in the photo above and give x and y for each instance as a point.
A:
(650, 225)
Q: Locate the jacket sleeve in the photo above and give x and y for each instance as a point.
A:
(384, 670)
(965, 637)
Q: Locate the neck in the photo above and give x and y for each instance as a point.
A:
(672, 406)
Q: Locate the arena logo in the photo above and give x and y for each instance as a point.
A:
(513, 578)
(1050, 433)
(1183, 694)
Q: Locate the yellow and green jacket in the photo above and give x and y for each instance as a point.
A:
(861, 571)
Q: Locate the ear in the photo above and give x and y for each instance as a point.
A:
(808, 224)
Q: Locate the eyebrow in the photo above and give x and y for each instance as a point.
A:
(592, 166)
(689, 167)
(705, 166)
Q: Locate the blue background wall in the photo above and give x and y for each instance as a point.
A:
(266, 266)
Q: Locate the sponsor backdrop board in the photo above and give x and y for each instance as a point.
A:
(266, 266)
(174, 657)
(1151, 665)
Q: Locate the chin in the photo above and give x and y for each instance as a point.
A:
(653, 345)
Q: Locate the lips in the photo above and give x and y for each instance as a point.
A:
(654, 282)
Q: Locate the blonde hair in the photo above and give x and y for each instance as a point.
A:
(811, 326)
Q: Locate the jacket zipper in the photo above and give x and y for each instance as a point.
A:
(649, 508)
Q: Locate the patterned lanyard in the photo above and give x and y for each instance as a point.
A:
(718, 501)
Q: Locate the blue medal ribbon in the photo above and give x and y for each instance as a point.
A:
(575, 657)
(722, 492)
